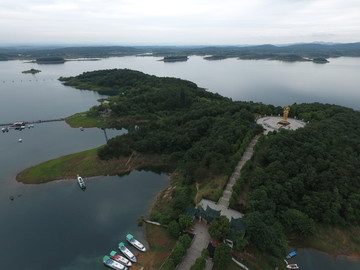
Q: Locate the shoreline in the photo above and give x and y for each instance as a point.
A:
(87, 164)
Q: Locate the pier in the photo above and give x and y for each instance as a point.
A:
(35, 122)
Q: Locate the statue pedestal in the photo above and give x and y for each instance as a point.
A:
(283, 123)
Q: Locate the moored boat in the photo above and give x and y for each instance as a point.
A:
(128, 254)
(291, 255)
(135, 243)
(120, 259)
(113, 264)
(292, 266)
(81, 182)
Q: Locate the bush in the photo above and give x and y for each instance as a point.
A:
(168, 265)
(222, 256)
(185, 241)
(174, 228)
(178, 253)
(220, 228)
(199, 264)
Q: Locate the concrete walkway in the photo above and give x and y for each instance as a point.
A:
(224, 200)
(202, 237)
(201, 241)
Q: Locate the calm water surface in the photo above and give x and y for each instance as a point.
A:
(56, 225)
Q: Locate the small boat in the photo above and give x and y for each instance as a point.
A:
(116, 257)
(292, 266)
(128, 254)
(135, 243)
(20, 140)
(291, 255)
(113, 264)
(81, 182)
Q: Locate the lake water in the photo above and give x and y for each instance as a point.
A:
(56, 225)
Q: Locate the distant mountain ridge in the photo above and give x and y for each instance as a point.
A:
(265, 51)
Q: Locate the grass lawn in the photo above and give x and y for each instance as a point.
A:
(81, 120)
(211, 189)
(161, 244)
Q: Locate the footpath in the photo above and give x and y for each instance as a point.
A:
(202, 237)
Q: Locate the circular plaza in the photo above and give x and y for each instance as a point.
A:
(272, 123)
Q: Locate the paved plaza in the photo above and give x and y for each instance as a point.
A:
(270, 123)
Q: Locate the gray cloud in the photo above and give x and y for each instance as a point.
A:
(179, 22)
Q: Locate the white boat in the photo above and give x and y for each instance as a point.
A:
(81, 182)
(128, 254)
(113, 264)
(292, 266)
(116, 257)
(135, 243)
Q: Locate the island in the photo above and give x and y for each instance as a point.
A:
(320, 60)
(300, 188)
(175, 58)
(50, 60)
(31, 71)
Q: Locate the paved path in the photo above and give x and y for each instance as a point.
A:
(224, 200)
(201, 241)
(202, 237)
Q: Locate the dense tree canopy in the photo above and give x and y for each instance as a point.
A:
(203, 132)
(312, 173)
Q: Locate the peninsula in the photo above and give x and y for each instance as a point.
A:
(300, 186)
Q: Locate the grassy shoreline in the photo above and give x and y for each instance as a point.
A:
(333, 241)
(87, 164)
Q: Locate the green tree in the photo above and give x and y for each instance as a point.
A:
(199, 264)
(185, 221)
(222, 256)
(174, 228)
(178, 253)
(266, 233)
(185, 241)
(240, 241)
(220, 228)
(298, 222)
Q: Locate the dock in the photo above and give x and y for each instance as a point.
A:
(35, 122)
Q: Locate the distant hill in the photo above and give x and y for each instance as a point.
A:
(294, 52)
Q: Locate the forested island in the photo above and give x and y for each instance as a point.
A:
(176, 58)
(301, 187)
(50, 60)
(31, 71)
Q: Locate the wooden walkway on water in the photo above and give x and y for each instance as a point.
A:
(36, 122)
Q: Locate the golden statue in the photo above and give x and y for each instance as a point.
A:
(285, 114)
(284, 121)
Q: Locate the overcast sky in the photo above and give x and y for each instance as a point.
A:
(178, 22)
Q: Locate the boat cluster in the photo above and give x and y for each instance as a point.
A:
(17, 125)
(118, 262)
(291, 265)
